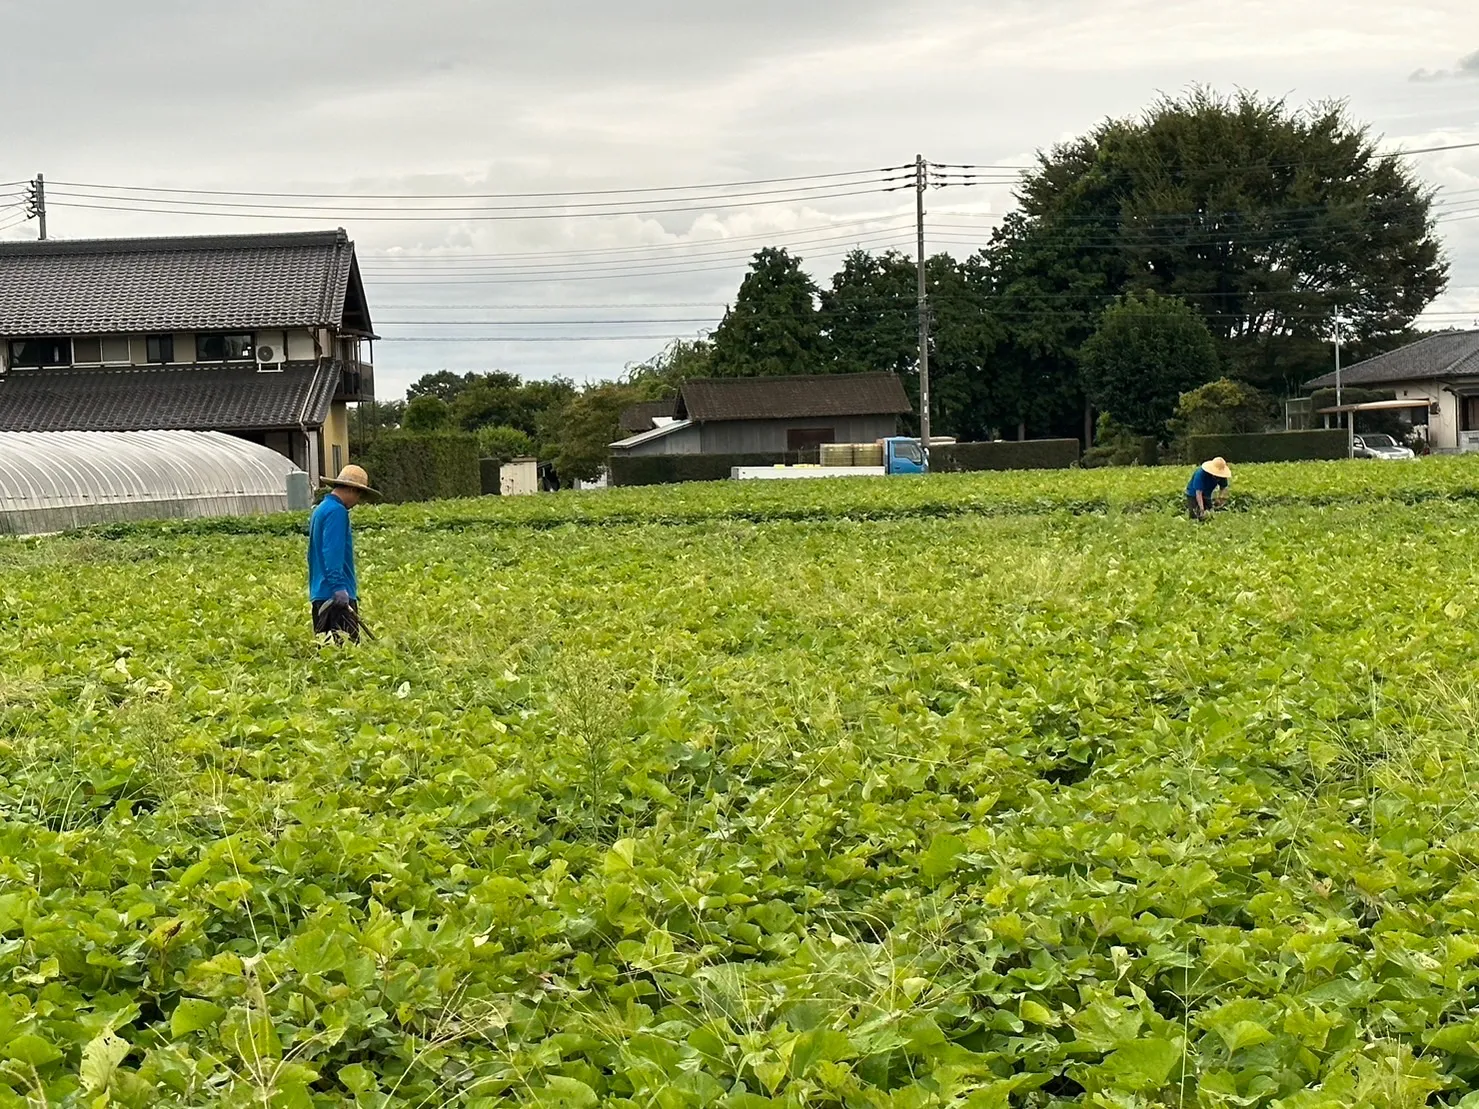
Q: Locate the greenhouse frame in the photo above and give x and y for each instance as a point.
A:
(52, 481)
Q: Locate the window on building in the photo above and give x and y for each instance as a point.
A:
(160, 349)
(50, 351)
(87, 352)
(338, 452)
(234, 347)
(100, 350)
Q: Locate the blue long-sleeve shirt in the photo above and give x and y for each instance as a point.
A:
(1204, 483)
(330, 552)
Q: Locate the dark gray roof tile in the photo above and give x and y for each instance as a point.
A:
(168, 398)
(801, 397)
(638, 417)
(1443, 354)
(102, 286)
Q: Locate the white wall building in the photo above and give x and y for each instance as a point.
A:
(1441, 369)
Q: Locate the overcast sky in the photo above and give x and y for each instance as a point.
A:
(382, 97)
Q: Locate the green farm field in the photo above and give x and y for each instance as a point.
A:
(987, 791)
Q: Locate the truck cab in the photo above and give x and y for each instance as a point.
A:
(902, 455)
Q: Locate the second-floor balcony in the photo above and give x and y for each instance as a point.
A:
(356, 382)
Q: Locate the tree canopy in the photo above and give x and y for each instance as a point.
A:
(1146, 352)
(1265, 219)
(773, 327)
(1250, 219)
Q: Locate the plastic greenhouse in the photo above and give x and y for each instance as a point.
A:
(51, 481)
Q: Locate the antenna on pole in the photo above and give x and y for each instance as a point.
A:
(36, 202)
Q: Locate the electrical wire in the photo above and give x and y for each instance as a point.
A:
(777, 196)
(477, 217)
(745, 254)
(527, 338)
(485, 196)
(767, 237)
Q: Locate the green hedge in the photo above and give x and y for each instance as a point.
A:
(670, 469)
(406, 466)
(1272, 446)
(1034, 454)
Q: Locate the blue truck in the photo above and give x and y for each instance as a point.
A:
(899, 455)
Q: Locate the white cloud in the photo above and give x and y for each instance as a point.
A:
(450, 96)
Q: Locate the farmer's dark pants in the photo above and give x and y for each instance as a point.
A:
(336, 621)
(1193, 510)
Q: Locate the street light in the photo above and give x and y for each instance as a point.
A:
(1350, 421)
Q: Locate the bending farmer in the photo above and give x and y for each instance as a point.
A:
(1205, 490)
(332, 585)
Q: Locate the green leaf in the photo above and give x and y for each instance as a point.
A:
(940, 860)
(100, 1059)
(1142, 1066)
(1038, 1013)
(560, 1092)
(193, 1015)
(251, 1035)
(32, 1049)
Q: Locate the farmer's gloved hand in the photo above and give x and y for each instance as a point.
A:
(341, 598)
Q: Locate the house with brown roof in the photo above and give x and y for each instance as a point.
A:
(1442, 370)
(264, 337)
(765, 415)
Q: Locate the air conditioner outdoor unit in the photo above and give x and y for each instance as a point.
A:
(270, 357)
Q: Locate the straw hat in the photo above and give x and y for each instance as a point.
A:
(1218, 467)
(354, 477)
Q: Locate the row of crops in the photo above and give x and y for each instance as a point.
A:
(989, 791)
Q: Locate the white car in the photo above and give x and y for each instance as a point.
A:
(1382, 447)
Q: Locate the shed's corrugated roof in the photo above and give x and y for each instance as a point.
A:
(651, 434)
(1444, 354)
(802, 397)
(106, 286)
(174, 398)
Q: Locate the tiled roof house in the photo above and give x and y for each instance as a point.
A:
(266, 337)
(1440, 370)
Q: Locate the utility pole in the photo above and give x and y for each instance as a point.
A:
(36, 202)
(1350, 417)
(921, 182)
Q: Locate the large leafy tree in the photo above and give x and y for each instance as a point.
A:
(1266, 220)
(870, 319)
(664, 373)
(869, 314)
(1147, 351)
(773, 327)
(503, 400)
(588, 426)
(444, 385)
(427, 412)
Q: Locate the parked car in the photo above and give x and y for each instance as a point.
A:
(1383, 448)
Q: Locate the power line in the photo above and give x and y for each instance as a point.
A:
(608, 271)
(484, 196)
(795, 194)
(764, 237)
(539, 323)
(528, 338)
(742, 254)
(476, 217)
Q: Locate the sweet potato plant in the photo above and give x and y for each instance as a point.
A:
(979, 791)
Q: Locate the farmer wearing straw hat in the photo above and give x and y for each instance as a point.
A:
(1205, 490)
(332, 585)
